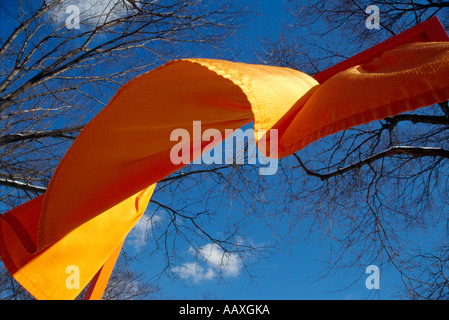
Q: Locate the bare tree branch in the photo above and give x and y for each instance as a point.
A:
(398, 150)
(418, 118)
(22, 186)
(57, 133)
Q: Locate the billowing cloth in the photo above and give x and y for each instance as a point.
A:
(103, 184)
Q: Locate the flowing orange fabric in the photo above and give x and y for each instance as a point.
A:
(100, 280)
(403, 79)
(104, 182)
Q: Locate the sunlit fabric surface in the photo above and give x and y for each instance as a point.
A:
(103, 184)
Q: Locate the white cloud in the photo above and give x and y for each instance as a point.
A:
(216, 262)
(228, 263)
(137, 236)
(194, 272)
(92, 11)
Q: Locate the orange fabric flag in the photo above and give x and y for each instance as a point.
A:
(102, 185)
(402, 79)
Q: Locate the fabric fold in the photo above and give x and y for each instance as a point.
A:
(402, 79)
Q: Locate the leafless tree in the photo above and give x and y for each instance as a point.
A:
(377, 190)
(61, 62)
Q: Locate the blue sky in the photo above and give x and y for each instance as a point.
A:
(267, 23)
(292, 273)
